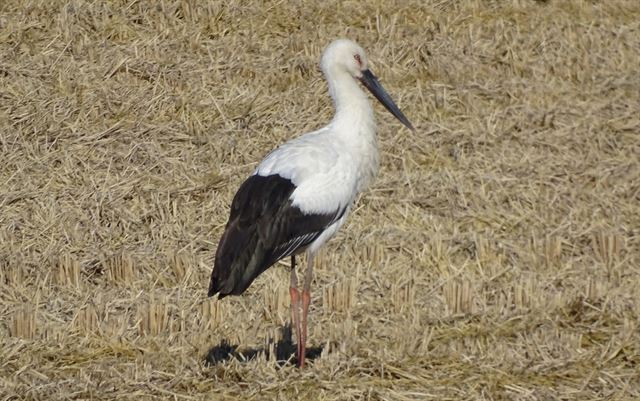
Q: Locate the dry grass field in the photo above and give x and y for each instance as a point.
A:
(497, 256)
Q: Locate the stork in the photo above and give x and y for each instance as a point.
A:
(302, 192)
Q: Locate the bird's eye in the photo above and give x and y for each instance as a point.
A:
(357, 57)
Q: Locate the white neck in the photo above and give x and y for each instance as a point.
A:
(354, 124)
(354, 114)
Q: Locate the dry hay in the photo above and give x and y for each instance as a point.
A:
(496, 257)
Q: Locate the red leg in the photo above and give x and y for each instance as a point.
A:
(295, 304)
(306, 300)
(295, 315)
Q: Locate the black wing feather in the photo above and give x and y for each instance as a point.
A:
(263, 228)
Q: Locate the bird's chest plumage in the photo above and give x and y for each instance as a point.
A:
(328, 170)
(368, 163)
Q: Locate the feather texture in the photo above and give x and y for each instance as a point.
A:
(264, 227)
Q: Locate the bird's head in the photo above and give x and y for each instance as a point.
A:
(344, 55)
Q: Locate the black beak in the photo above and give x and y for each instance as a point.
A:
(371, 82)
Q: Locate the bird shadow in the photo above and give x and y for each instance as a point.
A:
(283, 350)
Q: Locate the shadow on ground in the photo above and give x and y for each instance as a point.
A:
(284, 351)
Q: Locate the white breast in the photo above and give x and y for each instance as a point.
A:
(329, 168)
(321, 167)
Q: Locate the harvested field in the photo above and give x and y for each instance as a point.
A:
(497, 256)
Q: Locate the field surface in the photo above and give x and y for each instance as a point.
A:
(496, 257)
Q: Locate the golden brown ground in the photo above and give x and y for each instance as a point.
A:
(496, 257)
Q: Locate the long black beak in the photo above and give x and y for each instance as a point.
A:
(371, 82)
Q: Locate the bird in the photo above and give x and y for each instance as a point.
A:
(302, 192)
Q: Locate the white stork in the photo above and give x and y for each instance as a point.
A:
(303, 191)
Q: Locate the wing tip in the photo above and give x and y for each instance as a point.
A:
(213, 289)
(212, 293)
(216, 288)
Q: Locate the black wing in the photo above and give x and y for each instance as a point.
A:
(263, 228)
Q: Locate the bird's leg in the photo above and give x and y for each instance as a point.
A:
(295, 303)
(306, 300)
